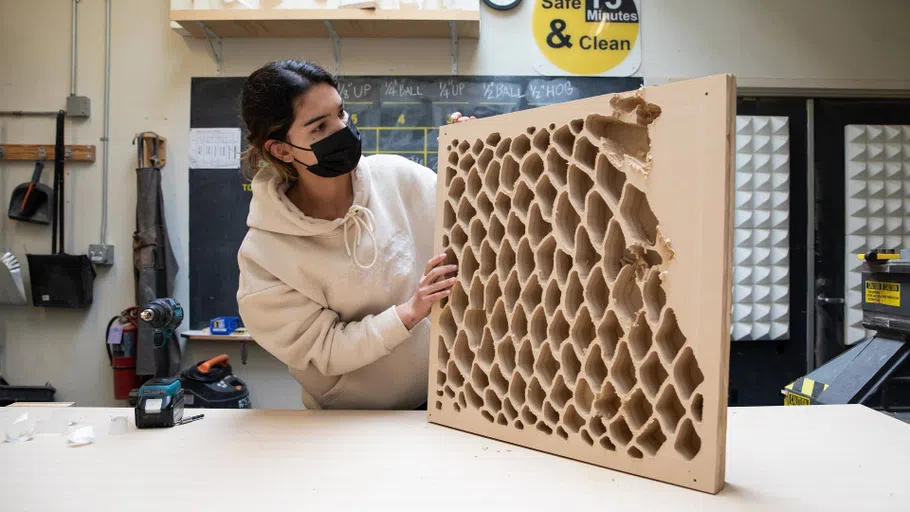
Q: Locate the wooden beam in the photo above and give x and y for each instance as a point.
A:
(33, 152)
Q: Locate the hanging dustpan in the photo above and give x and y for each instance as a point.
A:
(31, 202)
(60, 280)
(12, 290)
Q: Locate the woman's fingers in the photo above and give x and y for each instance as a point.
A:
(440, 285)
(438, 272)
(436, 297)
(435, 260)
(458, 117)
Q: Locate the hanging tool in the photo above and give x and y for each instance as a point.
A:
(60, 279)
(161, 400)
(31, 202)
(12, 290)
(151, 150)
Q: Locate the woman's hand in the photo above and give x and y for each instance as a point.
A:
(433, 287)
(457, 117)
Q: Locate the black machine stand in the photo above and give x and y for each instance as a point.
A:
(872, 372)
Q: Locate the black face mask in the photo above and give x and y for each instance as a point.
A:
(337, 154)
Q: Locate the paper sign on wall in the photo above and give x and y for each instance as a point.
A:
(587, 37)
(215, 148)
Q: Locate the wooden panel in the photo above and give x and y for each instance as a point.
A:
(577, 327)
(32, 152)
(347, 23)
(42, 405)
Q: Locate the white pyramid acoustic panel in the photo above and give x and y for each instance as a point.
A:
(761, 250)
(877, 195)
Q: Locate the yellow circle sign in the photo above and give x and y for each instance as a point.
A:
(586, 37)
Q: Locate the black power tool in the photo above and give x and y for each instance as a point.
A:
(161, 399)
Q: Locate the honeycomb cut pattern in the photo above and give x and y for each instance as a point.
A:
(559, 325)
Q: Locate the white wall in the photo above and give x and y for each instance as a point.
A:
(776, 43)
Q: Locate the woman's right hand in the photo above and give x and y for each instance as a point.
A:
(434, 286)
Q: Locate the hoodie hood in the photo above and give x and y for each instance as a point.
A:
(271, 210)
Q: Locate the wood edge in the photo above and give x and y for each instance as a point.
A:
(436, 310)
(150, 135)
(215, 337)
(724, 384)
(718, 482)
(468, 29)
(41, 405)
(427, 27)
(201, 335)
(240, 15)
(482, 435)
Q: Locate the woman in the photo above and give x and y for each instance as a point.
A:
(336, 273)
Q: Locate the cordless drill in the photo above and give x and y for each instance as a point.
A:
(161, 398)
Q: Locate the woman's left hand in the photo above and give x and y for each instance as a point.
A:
(457, 117)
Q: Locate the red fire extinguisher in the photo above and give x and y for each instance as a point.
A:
(120, 340)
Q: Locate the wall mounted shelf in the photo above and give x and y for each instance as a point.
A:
(407, 23)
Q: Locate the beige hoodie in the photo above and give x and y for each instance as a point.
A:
(320, 295)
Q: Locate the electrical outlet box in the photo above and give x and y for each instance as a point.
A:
(78, 106)
(101, 254)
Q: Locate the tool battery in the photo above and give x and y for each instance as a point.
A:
(161, 403)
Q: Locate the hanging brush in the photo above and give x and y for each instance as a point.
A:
(12, 290)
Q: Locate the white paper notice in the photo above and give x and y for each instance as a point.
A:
(215, 148)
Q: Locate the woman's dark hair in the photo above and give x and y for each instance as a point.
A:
(267, 107)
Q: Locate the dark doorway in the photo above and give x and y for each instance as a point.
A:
(759, 369)
(832, 116)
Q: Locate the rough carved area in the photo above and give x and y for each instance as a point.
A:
(563, 328)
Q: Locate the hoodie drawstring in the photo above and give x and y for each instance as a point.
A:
(362, 219)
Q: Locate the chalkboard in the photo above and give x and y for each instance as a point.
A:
(399, 115)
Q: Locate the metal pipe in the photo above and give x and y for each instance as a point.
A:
(107, 121)
(812, 316)
(28, 113)
(73, 59)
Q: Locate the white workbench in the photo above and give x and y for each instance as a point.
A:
(778, 458)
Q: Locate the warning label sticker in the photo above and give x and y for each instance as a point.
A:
(794, 399)
(888, 294)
